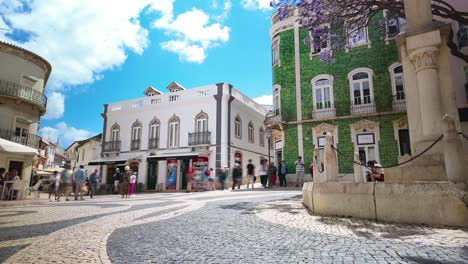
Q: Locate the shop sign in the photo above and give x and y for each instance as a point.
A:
(238, 158)
(365, 139)
(279, 145)
(321, 141)
(200, 162)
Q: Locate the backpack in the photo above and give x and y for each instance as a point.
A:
(207, 172)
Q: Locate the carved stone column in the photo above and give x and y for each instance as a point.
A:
(426, 68)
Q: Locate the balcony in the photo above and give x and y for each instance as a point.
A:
(322, 111)
(362, 105)
(135, 144)
(153, 143)
(273, 119)
(399, 102)
(24, 93)
(111, 146)
(199, 138)
(26, 139)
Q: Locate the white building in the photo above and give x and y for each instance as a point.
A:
(160, 135)
(83, 151)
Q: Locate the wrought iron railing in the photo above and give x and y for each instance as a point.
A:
(111, 146)
(273, 117)
(199, 138)
(26, 139)
(153, 143)
(16, 90)
(399, 102)
(463, 36)
(324, 113)
(135, 144)
(362, 105)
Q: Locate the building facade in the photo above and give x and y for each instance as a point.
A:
(161, 135)
(23, 76)
(83, 151)
(359, 99)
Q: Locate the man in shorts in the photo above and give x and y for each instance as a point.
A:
(299, 171)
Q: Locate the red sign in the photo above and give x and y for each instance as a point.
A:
(238, 158)
(134, 164)
(200, 162)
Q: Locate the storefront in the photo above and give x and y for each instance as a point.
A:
(110, 165)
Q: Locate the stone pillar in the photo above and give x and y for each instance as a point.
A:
(358, 175)
(453, 152)
(317, 166)
(425, 63)
(418, 14)
(331, 162)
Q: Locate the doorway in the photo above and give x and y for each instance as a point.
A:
(18, 166)
(184, 165)
(152, 174)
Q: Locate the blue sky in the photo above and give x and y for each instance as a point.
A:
(107, 51)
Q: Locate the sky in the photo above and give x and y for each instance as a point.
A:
(111, 50)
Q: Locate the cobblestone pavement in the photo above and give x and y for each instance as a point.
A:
(213, 227)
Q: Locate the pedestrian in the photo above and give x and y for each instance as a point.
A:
(223, 176)
(57, 186)
(250, 174)
(236, 176)
(94, 182)
(126, 182)
(263, 172)
(51, 182)
(311, 169)
(299, 171)
(274, 170)
(271, 170)
(376, 173)
(80, 179)
(211, 180)
(205, 175)
(117, 179)
(66, 182)
(283, 170)
(190, 177)
(131, 190)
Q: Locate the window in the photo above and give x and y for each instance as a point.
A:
(275, 52)
(322, 93)
(361, 86)
(238, 127)
(154, 130)
(394, 24)
(29, 81)
(319, 40)
(357, 37)
(276, 101)
(115, 133)
(251, 132)
(136, 131)
(174, 132)
(398, 85)
(201, 123)
(261, 136)
(404, 141)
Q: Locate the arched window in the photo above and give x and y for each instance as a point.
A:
(361, 86)
(251, 132)
(398, 81)
(201, 123)
(115, 130)
(261, 136)
(323, 91)
(276, 99)
(155, 126)
(238, 127)
(136, 136)
(174, 128)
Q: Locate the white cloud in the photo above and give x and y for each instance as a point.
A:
(263, 5)
(191, 30)
(225, 13)
(264, 100)
(65, 133)
(55, 105)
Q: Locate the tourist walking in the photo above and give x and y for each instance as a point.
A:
(93, 182)
(236, 176)
(205, 176)
(223, 177)
(51, 181)
(211, 180)
(271, 170)
(283, 170)
(299, 171)
(80, 179)
(263, 172)
(274, 171)
(311, 169)
(117, 180)
(126, 182)
(250, 174)
(190, 177)
(58, 187)
(131, 190)
(66, 183)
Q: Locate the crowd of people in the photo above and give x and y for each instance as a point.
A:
(124, 182)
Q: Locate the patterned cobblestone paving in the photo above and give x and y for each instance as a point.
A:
(213, 227)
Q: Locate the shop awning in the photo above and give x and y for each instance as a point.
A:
(121, 159)
(166, 156)
(12, 147)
